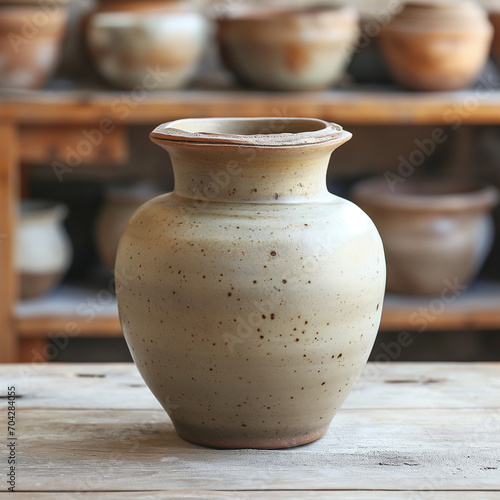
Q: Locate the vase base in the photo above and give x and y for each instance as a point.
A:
(271, 443)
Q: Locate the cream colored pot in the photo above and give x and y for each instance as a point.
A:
(43, 248)
(147, 51)
(289, 49)
(250, 297)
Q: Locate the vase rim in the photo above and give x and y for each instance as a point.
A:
(271, 132)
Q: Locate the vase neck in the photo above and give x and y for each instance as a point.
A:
(259, 160)
(248, 175)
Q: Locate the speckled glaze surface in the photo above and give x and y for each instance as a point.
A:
(250, 297)
(288, 49)
(30, 38)
(436, 233)
(437, 46)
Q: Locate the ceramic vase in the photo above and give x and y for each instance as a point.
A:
(250, 297)
(288, 49)
(437, 46)
(437, 233)
(30, 41)
(43, 248)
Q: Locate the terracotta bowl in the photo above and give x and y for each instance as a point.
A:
(30, 42)
(435, 232)
(43, 248)
(437, 46)
(304, 49)
(150, 51)
(120, 205)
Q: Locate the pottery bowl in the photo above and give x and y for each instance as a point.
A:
(43, 248)
(437, 46)
(495, 45)
(304, 49)
(120, 205)
(30, 41)
(151, 51)
(435, 232)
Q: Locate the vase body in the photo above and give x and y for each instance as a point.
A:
(437, 46)
(43, 248)
(250, 297)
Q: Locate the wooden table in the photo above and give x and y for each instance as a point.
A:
(408, 430)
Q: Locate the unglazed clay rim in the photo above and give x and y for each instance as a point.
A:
(480, 197)
(330, 132)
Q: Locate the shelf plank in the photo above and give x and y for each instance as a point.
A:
(92, 311)
(367, 106)
(89, 311)
(477, 308)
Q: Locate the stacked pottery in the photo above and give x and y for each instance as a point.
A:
(250, 297)
(30, 40)
(287, 49)
(43, 248)
(120, 204)
(435, 232)
(146, 45)
(437, 46)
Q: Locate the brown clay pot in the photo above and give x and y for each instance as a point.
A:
(120, 205)
(437, 46)
(43, 248)
(147, 50)
(495, 45)
(286, 49)
(30, 40)
(434, 232)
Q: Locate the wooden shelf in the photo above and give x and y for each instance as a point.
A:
(361, 105)
(477, 308)
(72, 309)
(87, 310)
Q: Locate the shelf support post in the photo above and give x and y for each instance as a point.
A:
(9, 171)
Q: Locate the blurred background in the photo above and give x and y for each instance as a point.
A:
(82, 83)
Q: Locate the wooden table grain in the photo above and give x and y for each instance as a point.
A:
(407, 431)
